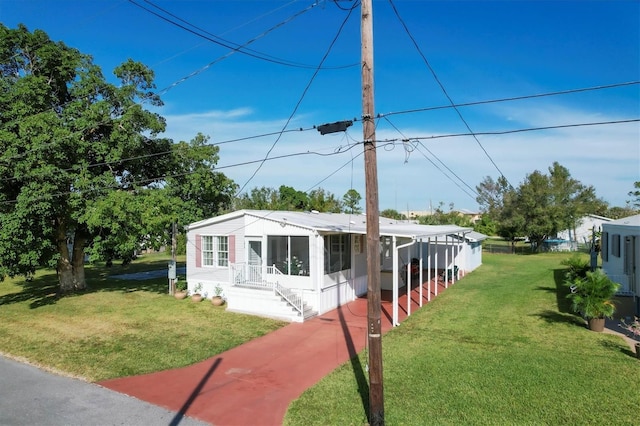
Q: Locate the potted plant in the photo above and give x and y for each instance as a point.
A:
(633, 330)
(196, 296)
(217, 299)
(592, 297)
(181, 290)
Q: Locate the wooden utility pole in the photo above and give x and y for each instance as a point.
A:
(374, 327)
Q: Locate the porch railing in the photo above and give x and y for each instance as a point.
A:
(252, 276)
(291, 297)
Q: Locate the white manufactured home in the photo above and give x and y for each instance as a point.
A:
(583, 230)
(620, 244)
(294, 265)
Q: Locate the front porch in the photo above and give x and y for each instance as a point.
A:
(254, 293)
(259, 290)
(407, 304)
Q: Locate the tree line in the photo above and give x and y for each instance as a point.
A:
(543, 205)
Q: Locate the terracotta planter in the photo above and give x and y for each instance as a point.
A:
(180, 295)
(196, 297)
(217, 301)
(596, 324)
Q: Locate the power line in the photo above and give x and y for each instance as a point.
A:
(405, 140)
(233, 47)
(218, 168)
(434, 164)
(341, 150)
(435, 76)
(257, 18)
(528, 129)
(513, 98)
(304, 92)
(382, 115)
(454, 182)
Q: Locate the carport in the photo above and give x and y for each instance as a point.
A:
(438, 248)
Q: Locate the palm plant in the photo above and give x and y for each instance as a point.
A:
(592, 296)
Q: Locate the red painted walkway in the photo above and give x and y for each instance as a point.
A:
(254, 383)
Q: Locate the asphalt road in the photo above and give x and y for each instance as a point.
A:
(30, 396)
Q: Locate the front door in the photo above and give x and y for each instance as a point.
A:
(254, 260)
(630, 261)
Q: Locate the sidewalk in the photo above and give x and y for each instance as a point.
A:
(253, 384)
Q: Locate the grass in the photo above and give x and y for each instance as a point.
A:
(499, 347)
(117, 328)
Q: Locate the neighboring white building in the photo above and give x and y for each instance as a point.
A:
(294, 265)
(621, 255)
(582, 232)
(473, 245)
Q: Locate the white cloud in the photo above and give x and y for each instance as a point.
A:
(607, 156)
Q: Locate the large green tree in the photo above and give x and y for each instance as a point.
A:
(392, 214)
(351, 202)
(288, 198)
(79, 158)
(540, 207)
(324, 201)
(635, 195)
(204, 192)
(491, 195)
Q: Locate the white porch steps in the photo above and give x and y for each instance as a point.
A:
(264, 303)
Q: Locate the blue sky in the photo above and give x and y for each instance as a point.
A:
(479, 51)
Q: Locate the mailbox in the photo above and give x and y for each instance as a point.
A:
(172, 270)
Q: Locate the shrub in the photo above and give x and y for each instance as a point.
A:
(578, 267)
(592, 295)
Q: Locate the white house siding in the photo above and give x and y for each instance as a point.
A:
(474, 257)
(621, 254)
(210, 276)
(340, 287)
(582, 233)
(448, 254)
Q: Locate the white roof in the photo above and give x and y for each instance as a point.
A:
(630, 222)
(339, 223)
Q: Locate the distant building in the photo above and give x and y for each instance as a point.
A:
(583, 230)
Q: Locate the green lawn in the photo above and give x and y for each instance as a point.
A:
(499, 347)
(118, 328)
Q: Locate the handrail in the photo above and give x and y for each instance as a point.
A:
(247, 275)
(291, 298)
(274, 270)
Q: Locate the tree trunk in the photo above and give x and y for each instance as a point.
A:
(79, 241)
(70, 269)
(64, 268)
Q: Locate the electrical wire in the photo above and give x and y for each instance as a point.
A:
(405, 139)
(233, 47)
(514, 98)
(435, 76)
(387, 143)
(381, 144)
(304, 92)
(410, 111)
(218, 168)
(530, 129)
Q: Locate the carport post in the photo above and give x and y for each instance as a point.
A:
(420, 276)
(429, 269)
(436, 268)
(446, 261)
(395, 306)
